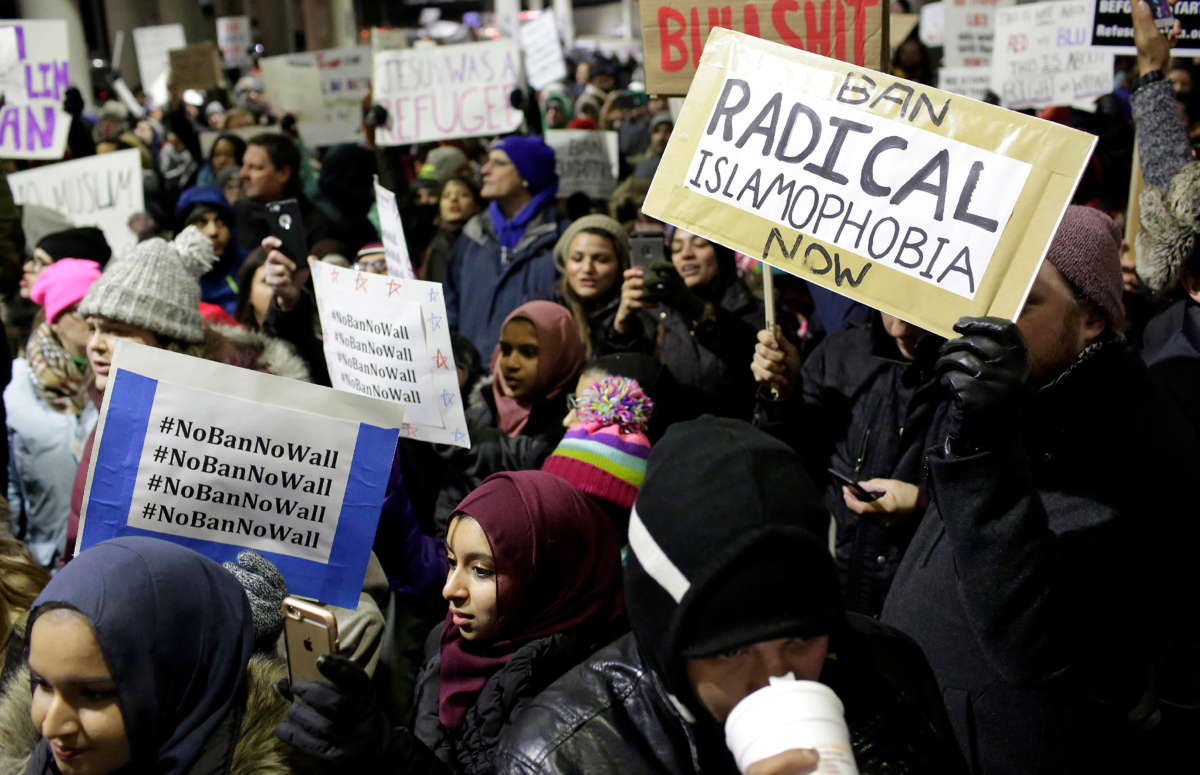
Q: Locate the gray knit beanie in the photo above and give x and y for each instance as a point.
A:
(609, 226)
(1167, 233)
(155, 285)
(446, 160)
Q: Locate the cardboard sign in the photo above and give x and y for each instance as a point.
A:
(544, 63)
(233, 38)
(197, 67)
(900, 26)
(395, 246)
(343, 75)
(1042, 56)
(968, 28)
(101, 190)
(920, 203)
(973, 82)
(673, 32)
(586, 160)
(1112, 27)
(389, 339)
(220, 459)
(447, 91)
(34, 77)
(153, 46)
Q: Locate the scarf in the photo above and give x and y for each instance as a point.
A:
(558, 567)
(561, 356)
(510, 231)
(175, 631)
(57, 377)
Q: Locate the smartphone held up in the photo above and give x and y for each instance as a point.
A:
(310, 632)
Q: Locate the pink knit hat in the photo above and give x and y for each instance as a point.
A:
(63, 284)
(1086, 250)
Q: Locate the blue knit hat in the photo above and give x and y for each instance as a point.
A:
(533, 158)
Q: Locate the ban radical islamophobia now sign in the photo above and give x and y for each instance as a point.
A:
(924, 204)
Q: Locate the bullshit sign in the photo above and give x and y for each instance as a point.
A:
(921, 203)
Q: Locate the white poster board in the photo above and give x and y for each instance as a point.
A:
(344, 74)
(586, 160)
(1043, 56)
(973, 82)
(395, 246)
(388, 338)
(544, 62)
(101, 190)
(933, 24)
(968, 28)
(233, 38)
(34, 77)
(293, 87)
(153, 46)
(446, 92)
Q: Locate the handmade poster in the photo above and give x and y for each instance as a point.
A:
(152, 46)
(587, 161)
(923, 204)
(507, 16)
(968, 28)
(293, 87)
(197, 66)
(395, 246)
(673, 32)
(544, 63)
(447, 91)
(234, 40)
(102, 190)
(388, 38)
(932, 27)
(34, 76)
(564, 14)
(973, 82)
(1112, 27)
(219, 459)
(343, 76)
(1042, 56)
(388, 338)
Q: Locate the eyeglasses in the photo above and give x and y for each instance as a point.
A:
(375, 265)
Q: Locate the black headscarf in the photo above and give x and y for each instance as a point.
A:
(81, 242)
(176, 634)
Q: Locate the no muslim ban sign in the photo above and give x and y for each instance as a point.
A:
(221, 459)
(924, 204)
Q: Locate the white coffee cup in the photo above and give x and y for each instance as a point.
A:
(791, 714)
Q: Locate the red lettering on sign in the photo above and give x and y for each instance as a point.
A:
(671, 41)
(817, 33)
(779, 13)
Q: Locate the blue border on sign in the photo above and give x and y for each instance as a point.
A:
(338, 583)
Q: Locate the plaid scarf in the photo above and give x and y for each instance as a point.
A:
(56, 376)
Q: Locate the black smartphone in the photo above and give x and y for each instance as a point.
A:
(287, 225)
(1164, 15)
(632, 99)
(864, 495)
(645, 249)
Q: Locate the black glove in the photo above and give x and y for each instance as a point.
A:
(266, 589)
(337, 722)
(665, 284)
(987, 373)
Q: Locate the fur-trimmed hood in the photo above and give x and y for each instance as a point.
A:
(256, 752)
(1169, 229)
(255, 350)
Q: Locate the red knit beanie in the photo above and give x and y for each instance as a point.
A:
(1086, 250)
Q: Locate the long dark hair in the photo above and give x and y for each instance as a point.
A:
(243, 312)
(575, 304)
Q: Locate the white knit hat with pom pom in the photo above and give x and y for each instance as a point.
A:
(155, 285)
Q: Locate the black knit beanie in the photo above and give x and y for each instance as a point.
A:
(726, 550)
(84, 242)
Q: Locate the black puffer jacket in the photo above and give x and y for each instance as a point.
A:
(471, 747)
(863, 410)
(612, 714)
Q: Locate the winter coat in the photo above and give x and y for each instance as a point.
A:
(471, 748)
(1163, 145)
(484, 282)
(858, 410)
(600, 321)
(612, 714)
(254, 751)
(46, 446)
(1032, 550)
(1171, 349)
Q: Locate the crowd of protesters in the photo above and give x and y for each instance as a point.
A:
(978, 543)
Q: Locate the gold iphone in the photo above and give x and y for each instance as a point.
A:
(310, 631)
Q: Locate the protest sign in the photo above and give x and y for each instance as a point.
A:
(933, 24)
(219, 459)
(1042, 56)
(920, 203)
(968, 28)
(973, 82)
(101, 190)
(388, 338)
(586, 161)
(395, 246)
(388, 38)
(196, 67)
(152, 45)
(233, 38)
(673, 32)
(1112, 28)
(448, 91)
(34, 80)
(293, 87)
(544, 63)
(900, 26)
(343, 76)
